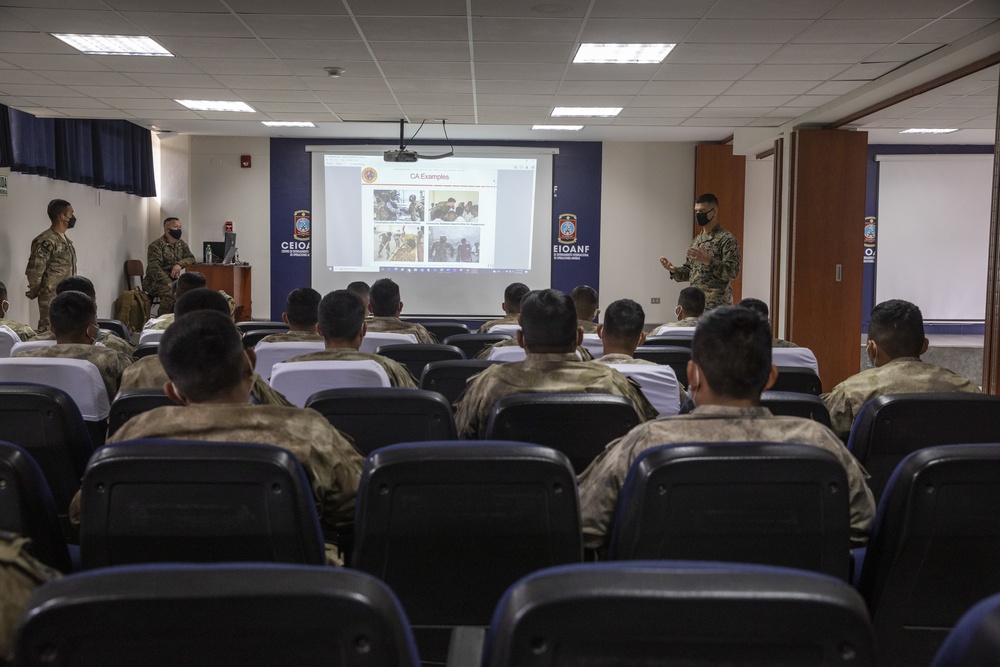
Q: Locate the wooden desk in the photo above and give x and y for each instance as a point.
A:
(232, 279)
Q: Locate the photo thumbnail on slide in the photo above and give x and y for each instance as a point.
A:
(454, 243)
(399, 205)
(454, 206)
(399, 243)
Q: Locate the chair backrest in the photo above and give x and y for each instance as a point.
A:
(378, 416)
(151, 336)
(450, 525)
(796, 404)
(449, 378)
(890, 427)
(253, 325)
(577, 424)
(798, 378)
(117, 327)
(474, 343)
(376, 339)
(131, 402)
(658, 613)
(507, 353)
(8, 339)
(801, 357)
(146, 350)
(269, 354)
(301, 379)
(507, 329)
(658, 384)
(27, 507)
(593, 344)
(133, 269)
(669, 355)
(46, 422)
(253, 336)
(975, 639)
(934, 549)
(442, 330)
(22, 346)
(78, 378)
(770, 503)
(415, 357)
(146, 501)
(678, 336)
(253, 614)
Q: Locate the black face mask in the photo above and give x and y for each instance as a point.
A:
(72, 222)
(176, 233)
(702, 218)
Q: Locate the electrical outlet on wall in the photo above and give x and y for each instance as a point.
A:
(655, 300)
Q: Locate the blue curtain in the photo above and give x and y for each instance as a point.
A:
(108, 154)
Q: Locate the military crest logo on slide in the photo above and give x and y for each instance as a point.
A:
(369, 175)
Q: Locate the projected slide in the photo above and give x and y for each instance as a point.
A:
(455, 215)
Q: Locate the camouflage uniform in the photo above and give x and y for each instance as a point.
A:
(164, 321)
(623, 359)
(904, 375)
(584, 353)
(396, 325)
(713, 278)
(148, 373)
(664, 329)
(161, 256)
(23, 331)
(506, 319)
(110, 363)
(587, 326)
(20, 574)
(105, 338)
(292, 337)
(332, 464)
(53, 258)
(778, 342)
(399, 375)
(602, 481)
(540, 373)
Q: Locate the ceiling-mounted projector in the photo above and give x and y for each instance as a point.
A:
(400, 156)
(403, 155)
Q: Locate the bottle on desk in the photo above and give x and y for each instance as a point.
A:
(208, 254)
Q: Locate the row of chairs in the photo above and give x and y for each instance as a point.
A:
(449, 526)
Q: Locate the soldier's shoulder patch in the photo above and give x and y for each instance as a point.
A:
(44, 248)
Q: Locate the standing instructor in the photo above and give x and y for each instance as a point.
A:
(713, 260)
(53, 258)
(165, 258)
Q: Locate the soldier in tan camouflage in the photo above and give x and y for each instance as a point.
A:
(23, 331)
(74, 321)
(762, 310)
(166, 257)
(20, 574)
(549, 335)
(713, 260)
(301, 311)
(511, 306)
(895, 342)
(105, 338)
(730, 367)
(585, 301)
(621, 332)
(52, 258)
(342, 323)
(690, 306)
(386, 306)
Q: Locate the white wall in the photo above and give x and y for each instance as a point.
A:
(646, 198)
(111, 227)
(757, 222)
(221, 190)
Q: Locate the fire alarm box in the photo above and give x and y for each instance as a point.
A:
(229, 225)
(245, 161)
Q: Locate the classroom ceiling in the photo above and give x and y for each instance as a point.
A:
(493, 68)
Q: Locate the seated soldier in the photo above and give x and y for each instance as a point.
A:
(23, 331)
(20, 575)
(210, 376)
(549, 334)
(621, 332)
(386, 307)
(511, 306)
(362, 289)
(761, 308)
(301, 306)
(148, 372)
(105, 338)
(585, 302)
(73, 319)
(730, 366)
(184, 283)
(690, 306)
(342, 323)
(895, 342)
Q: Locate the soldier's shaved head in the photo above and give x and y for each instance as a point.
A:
(202, 354)
(732, 346)
(71, 313)
(548, 321)
(897, 327)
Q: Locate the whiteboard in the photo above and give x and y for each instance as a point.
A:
(933, 233)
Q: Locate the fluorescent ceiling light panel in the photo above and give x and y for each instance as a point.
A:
(622, 53)
(288, 123)
(216, 105)
(928, 130)
(572, 128)
(592, 112)
(114, 45)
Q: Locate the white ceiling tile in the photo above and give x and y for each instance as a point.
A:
(406, 8)
(702, 72)
(229, 115)
(869, 31)
(255, 96)
(309, 7)
(651, 9)
(188, 24)
(87, 112)
(529, 8)
(428, 85)
(867, 72)
(522, 100)
(810, 101)
(968, 86)
(146, 104)
(421, 51)
(436, 111)
(949, 113)
(526, 52)
(519, 87)
(946, 31)
(771, 87)
(732, 112)
(740, 31)
(601, 87)
(14, 102)
(512, 111)
(268, 26)
(461, 95)
(718, 122)
(794, 72)
(414, 28)
(374, 99)
(90, 78)
(117, 93)
(654, 31)
(519, 72)
(901, 53)
(28, 90)
(128, 64)
(591, 100)
(45, 63)
(836, 87)
(721, 54)
(666, 101)
(260, 82)
(290, 107)
(755, 9)
(657, 122)
(976, 10)
(525, 30)
(657, 112)
(820, 54)
(12, 24)
(75, 21)
(617, 72)
(6, 65)
(213, 47)
(33, 42)
(181, 93)
(179, 114)
(41, 112)
(315, 49)
(175, 80)
(344, 85)
(984, 123)
(686, 87)
(63, 103)
(776, 121)
(261, 67)
(24, 76)
(888, 9)
(419, 70)
(354, 69)
(751, 100)
(175, 5)
(971, 102)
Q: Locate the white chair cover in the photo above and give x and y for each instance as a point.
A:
(151, 335)
(78, 378)
(509, 329)
(269, 354)
(513, 353)
(373, 339)
(300, 380)
(802, 357)
(672, 332)
(30, 345)
(593, 344)
(659, 385)
(8, 339)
